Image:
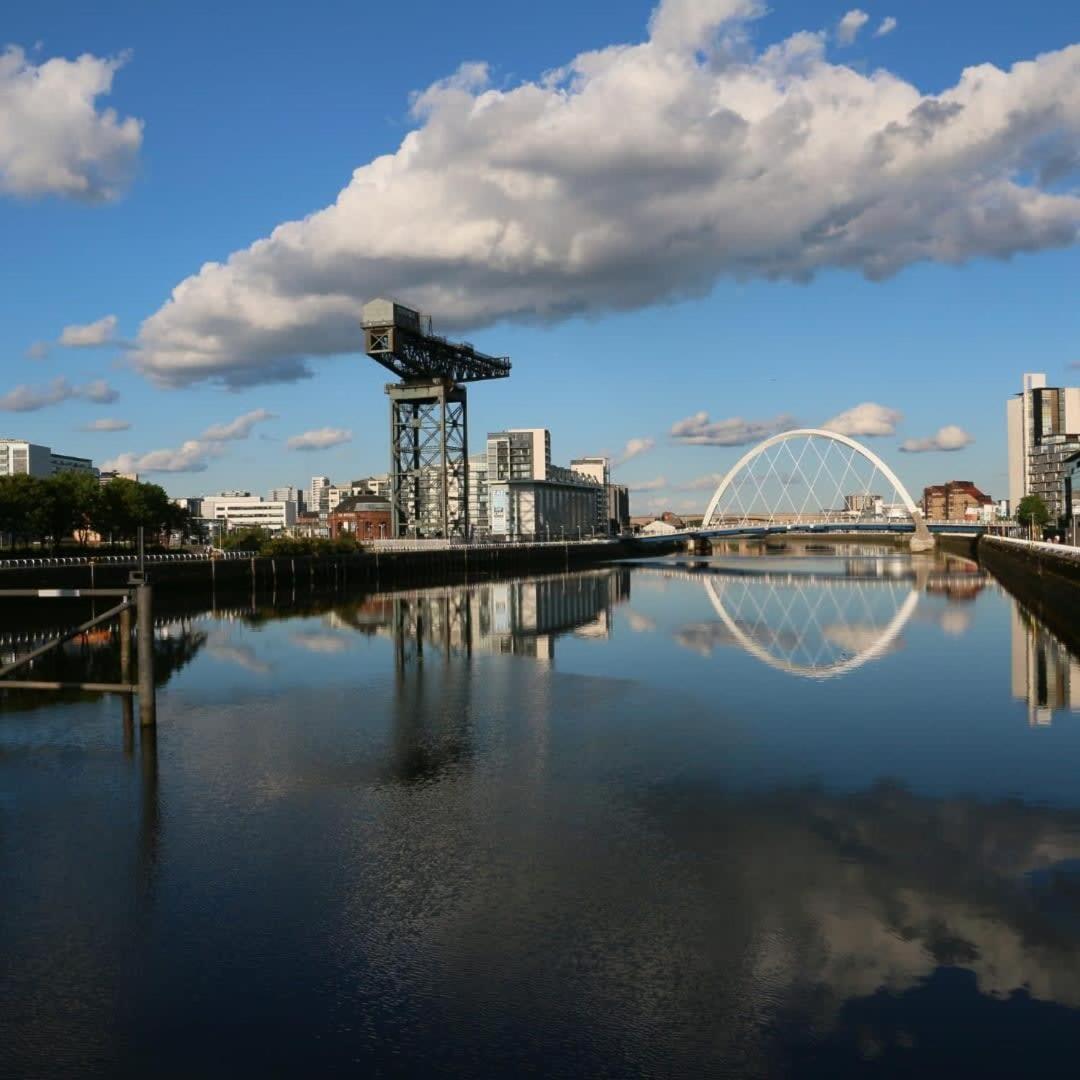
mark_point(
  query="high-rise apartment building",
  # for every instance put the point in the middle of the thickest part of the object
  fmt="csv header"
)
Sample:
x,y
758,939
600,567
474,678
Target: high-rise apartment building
x,y
1044,429
318,500
528,498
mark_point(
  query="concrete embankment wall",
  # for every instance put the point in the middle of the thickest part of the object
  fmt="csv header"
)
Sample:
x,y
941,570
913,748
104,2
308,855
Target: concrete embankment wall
x,y
1044,577
367,568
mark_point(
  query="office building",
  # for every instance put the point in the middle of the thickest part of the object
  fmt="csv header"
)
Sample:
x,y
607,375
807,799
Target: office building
x,y
529,498
372,485
1044,430
21,458
479,520
957,500
110,476
288,494
241,509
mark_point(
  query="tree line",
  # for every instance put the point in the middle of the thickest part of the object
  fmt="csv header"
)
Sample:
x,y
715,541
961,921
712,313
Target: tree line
x,y
55,509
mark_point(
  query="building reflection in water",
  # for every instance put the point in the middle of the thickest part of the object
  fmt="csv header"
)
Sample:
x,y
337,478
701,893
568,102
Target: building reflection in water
x,y
1045,674
519,617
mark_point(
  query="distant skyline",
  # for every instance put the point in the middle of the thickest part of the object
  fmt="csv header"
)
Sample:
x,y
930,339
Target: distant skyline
x,y
690,224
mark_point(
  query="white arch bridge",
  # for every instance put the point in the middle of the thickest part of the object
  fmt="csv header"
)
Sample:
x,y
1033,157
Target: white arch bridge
x,y
810,479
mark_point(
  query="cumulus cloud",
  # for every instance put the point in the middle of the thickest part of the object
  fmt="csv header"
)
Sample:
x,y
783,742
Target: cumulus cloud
x,y
54,139
949,437
38,350
194,455
638,174
107,425
888,25
240,428
848,28
708,482
320,439
635,448
869,418
699,430
89,335
26,398
656,484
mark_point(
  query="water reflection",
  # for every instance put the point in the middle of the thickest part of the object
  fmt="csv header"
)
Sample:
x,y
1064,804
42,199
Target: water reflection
x,y
390,835
828,621
1045,674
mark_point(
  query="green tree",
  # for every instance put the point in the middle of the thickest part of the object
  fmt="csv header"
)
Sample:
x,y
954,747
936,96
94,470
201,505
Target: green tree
x,y
21,517
1031,512
67,504
248,539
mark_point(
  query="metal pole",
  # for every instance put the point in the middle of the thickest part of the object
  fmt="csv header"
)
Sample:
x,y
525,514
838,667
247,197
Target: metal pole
x,y
145,634
125,645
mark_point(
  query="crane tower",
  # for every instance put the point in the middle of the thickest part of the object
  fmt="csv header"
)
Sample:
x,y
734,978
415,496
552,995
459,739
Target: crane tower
x,y
429,445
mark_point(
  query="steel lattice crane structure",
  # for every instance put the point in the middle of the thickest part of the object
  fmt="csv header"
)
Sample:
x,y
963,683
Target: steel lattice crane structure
x,y
429,444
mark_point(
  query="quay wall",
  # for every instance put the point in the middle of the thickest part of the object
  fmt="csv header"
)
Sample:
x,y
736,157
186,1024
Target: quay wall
x,y
1045,578
365,568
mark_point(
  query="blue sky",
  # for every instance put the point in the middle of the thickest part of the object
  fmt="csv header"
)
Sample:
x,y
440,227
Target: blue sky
x,y
248,123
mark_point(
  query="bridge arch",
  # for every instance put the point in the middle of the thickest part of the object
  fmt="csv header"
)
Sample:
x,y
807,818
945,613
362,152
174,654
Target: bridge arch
x,y
810,435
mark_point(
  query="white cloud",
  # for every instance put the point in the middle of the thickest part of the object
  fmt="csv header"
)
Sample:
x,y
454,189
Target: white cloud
x,y
888,25
635,448
53,138
699,430
89,335
949,437
240,428
107,425
848,28
195,454
320,439
656,484
192,456
26,398
708,482
869,418
640,174
38,350
98,391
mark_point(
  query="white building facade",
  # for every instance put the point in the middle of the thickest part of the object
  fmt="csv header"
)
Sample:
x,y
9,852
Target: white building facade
x,y
241,509
1044,430
18,457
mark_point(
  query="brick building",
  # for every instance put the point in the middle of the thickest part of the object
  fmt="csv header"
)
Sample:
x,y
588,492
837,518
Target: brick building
x,y
951,501
363,517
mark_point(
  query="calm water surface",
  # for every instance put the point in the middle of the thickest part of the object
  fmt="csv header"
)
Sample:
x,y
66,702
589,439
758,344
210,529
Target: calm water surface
x,y
762,815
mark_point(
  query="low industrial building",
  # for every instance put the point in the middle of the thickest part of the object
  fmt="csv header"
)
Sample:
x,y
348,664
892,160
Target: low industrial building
x,y
363,517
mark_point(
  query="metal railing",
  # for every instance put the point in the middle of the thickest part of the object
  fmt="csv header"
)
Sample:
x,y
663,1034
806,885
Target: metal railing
x,y
24,562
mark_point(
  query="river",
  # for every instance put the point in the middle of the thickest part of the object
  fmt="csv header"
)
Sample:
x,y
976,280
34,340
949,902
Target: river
x,y
810,813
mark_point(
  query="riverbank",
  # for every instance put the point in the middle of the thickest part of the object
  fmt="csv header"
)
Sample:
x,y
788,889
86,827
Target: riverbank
x,y
194,582
1045,578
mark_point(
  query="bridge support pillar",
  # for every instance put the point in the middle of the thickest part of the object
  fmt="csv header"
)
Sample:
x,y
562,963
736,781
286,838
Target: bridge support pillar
x,y
921,540
698,545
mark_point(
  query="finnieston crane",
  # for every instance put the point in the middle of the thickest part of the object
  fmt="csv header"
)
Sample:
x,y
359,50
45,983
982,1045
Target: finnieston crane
x,y
429,445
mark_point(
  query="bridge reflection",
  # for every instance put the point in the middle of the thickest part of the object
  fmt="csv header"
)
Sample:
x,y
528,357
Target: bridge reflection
x,y
819,623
